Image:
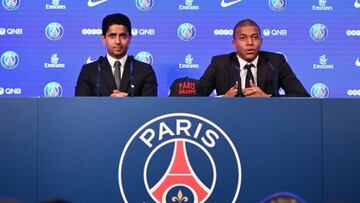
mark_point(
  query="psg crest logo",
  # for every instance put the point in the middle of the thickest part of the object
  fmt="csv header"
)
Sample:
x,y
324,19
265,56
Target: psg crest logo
x,y
179,157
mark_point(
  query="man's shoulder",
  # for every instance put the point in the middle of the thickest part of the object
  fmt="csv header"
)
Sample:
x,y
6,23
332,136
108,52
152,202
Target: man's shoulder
x,y
90,65
140,64
271,55
224,57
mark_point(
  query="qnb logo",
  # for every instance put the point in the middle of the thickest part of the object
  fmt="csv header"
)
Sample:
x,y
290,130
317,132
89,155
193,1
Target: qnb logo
x,y
142,31
10,91
9,60
223,32
54,31
278,5
11,31
189,63
353,92
11,5
319,90
53,89
145,57
323,63
353,33
180,158
88,31
322,6
186,32
55,5
318,32
274,32
144,5
54,62
188,6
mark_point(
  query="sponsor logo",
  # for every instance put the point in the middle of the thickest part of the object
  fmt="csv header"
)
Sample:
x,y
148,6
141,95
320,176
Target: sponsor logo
x,y
274,32
179,158
322,6
323,63
55,5
11,5
142,31
54,62
145,57
144,5
11,31
89,31
89,60
223,32
357,4
188,6
354,92
189,63
353,33
283,197
53,89
92,3
9,60
54,31
230,3
357,62
278,5
10,91
186,32
319,90
318,32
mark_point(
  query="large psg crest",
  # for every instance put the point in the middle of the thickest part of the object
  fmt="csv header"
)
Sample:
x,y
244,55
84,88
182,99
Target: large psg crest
x,y
179,157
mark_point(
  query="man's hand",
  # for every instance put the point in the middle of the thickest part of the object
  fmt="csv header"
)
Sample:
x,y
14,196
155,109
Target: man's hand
x,y
232,91
117,93
254,91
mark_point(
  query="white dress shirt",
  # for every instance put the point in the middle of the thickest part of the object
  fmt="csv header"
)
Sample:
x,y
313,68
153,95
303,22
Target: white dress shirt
x,y
112,62
243,70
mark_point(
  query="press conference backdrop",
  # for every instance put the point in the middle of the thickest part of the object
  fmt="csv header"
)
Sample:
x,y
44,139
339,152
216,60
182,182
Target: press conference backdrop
x,y
45,43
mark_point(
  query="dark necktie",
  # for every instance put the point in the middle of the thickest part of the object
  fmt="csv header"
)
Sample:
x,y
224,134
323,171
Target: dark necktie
x,y
117,74
249,75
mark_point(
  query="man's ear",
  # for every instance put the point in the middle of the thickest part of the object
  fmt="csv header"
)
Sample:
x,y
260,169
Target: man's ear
x,y
103,39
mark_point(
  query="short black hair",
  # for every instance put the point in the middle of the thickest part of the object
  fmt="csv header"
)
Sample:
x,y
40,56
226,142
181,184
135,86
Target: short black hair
x,y
245,22
115,19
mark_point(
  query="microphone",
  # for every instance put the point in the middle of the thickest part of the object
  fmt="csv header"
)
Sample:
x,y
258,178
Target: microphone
x,y
238,82
275,79
132,82
101,58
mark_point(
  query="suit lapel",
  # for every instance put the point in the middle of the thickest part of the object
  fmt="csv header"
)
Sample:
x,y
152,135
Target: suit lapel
x,y
108,75
262,71
234,70
125,77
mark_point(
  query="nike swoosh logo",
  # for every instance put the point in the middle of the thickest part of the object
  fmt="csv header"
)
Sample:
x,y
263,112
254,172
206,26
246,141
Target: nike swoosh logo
x,y
357,63
357,4
227,4
91,3
89,60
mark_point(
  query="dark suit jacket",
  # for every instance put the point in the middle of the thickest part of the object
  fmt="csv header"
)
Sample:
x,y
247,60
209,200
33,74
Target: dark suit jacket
x,y
144,79
273,72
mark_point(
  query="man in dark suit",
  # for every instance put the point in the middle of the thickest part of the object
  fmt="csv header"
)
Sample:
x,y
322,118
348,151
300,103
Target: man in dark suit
x,y
117,74
250,72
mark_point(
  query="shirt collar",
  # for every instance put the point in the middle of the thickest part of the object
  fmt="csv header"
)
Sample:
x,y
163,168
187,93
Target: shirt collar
x,y
112,60
242,62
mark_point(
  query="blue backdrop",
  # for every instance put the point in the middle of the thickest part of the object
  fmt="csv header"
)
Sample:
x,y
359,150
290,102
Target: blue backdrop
x,y
45,43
